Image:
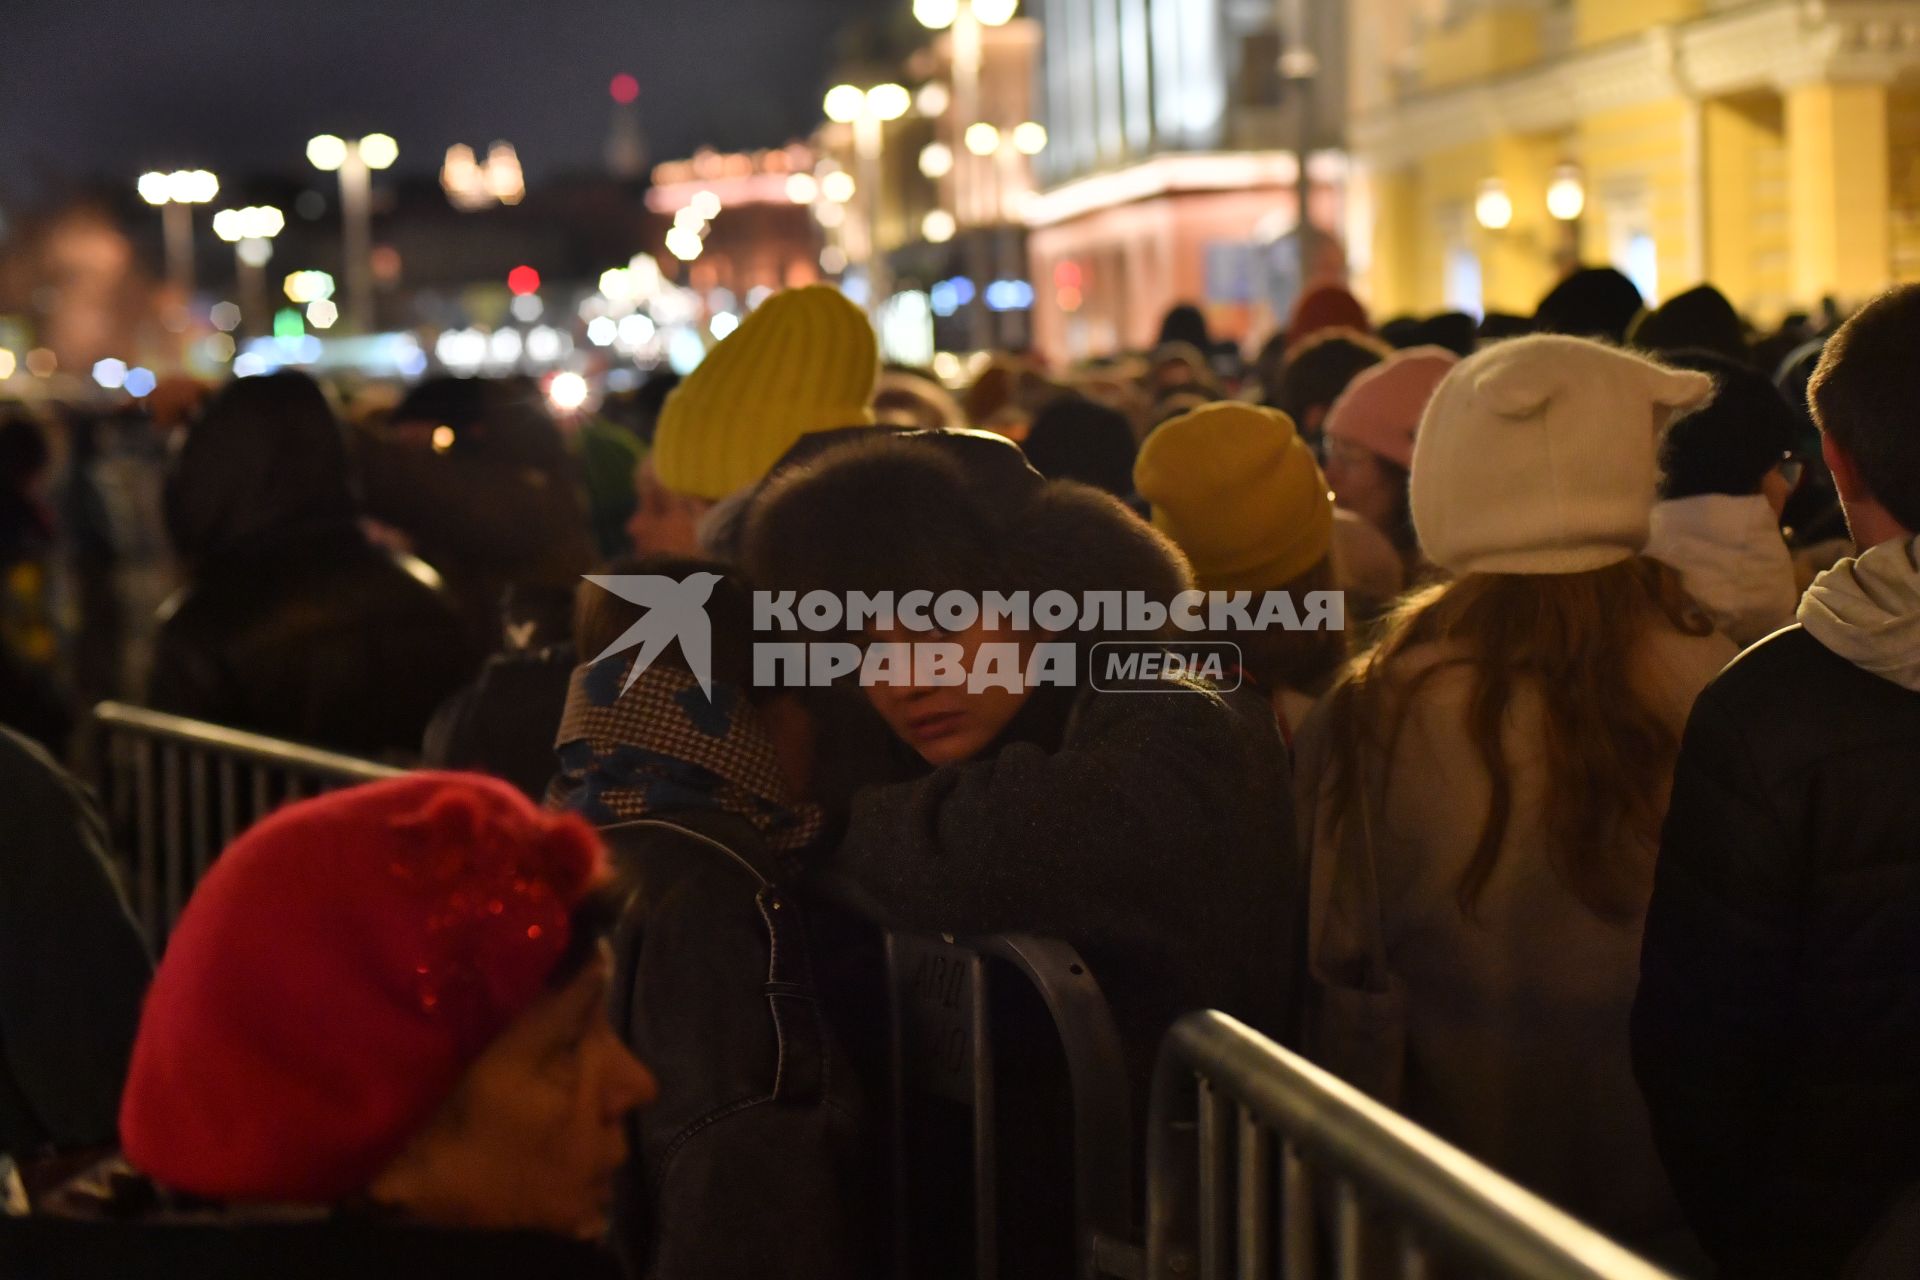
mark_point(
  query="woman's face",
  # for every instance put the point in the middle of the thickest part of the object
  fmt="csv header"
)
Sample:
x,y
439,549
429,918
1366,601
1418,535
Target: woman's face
x,y
947,724
535,1132
663,522
1361,484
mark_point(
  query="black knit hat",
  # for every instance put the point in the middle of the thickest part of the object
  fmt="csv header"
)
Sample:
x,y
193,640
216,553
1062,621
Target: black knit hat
x,y
1729,444
1075,438
1701,319
1594,302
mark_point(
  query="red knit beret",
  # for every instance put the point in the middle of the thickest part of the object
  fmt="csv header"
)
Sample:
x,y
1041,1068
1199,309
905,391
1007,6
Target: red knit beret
x,y
334,975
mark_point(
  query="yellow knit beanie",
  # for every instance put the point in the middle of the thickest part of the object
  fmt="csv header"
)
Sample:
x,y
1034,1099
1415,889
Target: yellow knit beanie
x,y
804,361
1240,492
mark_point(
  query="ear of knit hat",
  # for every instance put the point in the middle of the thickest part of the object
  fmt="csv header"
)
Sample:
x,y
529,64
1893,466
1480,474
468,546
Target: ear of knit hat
x,y
1236,488
1538,456
805,360
1380,410
334,975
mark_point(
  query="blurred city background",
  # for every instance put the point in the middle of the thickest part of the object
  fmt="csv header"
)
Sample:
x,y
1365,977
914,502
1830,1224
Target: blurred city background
x,y
587,191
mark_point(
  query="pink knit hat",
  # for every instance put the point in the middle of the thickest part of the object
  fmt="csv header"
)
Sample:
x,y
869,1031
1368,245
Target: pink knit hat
x,y
1380,411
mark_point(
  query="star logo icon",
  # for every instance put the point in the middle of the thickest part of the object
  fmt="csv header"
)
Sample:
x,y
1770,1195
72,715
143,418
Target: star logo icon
x,y
676,610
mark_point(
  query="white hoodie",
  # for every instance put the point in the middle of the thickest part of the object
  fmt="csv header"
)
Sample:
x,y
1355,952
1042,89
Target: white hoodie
x,y
1731,558
1867,610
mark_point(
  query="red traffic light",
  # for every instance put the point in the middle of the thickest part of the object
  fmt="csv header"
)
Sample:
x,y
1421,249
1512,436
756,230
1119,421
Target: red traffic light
x,y
523,280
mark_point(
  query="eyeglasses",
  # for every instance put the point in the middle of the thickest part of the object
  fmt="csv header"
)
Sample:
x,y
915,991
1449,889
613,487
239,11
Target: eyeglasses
x,y
1791,469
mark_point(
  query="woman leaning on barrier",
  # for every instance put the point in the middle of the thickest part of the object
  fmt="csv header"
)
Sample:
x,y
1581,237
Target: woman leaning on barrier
x,y
1482,793
1148,827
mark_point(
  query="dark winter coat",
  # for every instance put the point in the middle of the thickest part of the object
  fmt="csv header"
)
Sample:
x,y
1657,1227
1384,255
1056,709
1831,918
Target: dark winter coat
x,y
292,623
72,964
1777,1029
504,722
1152,831
316,636
753,1163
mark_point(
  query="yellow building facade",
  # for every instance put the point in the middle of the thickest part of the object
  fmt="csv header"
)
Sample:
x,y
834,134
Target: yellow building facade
x,y
1771,147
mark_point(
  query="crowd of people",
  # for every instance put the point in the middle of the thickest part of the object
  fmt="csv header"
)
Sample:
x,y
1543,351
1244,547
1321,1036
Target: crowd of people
x,y
1583,837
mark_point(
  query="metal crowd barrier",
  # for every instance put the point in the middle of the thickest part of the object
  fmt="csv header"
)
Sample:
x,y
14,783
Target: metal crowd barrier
x,y
177,791
1263,1165
943,1018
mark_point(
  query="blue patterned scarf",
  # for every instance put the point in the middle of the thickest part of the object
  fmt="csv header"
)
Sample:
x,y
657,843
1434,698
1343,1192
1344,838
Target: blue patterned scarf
x,y
662,746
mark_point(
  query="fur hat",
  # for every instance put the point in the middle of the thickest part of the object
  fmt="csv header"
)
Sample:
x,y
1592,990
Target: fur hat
x,y
1537,456
912,513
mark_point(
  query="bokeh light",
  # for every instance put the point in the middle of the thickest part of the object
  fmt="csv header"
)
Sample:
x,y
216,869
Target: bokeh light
x,y
889,101
379,150
568,391
838,187
936,15
1030,138
803,188
326,152
936,160
844,103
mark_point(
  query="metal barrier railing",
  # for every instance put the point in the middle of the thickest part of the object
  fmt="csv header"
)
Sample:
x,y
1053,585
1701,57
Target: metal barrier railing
x,y
178,790
943,1015
1262,1164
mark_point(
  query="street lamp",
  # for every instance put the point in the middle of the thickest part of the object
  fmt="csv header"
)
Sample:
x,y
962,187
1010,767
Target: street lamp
x,y
968,21
869,111
251,231
355,162
1567,194
175,194
1493,207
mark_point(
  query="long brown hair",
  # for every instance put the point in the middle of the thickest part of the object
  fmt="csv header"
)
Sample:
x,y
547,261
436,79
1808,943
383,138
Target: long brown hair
x,y
1572,637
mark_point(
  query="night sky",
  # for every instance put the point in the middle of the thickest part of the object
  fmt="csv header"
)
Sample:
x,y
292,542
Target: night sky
x,y
103,88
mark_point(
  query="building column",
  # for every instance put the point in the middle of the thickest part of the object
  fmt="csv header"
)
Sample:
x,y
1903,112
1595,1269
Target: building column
x,y
1392,282
1839,191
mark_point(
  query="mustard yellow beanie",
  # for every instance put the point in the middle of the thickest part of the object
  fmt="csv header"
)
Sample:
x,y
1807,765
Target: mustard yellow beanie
x,y
805,360
1240,492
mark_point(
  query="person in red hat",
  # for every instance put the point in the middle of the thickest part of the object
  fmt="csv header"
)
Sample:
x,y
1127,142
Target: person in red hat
x,y
377,1044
